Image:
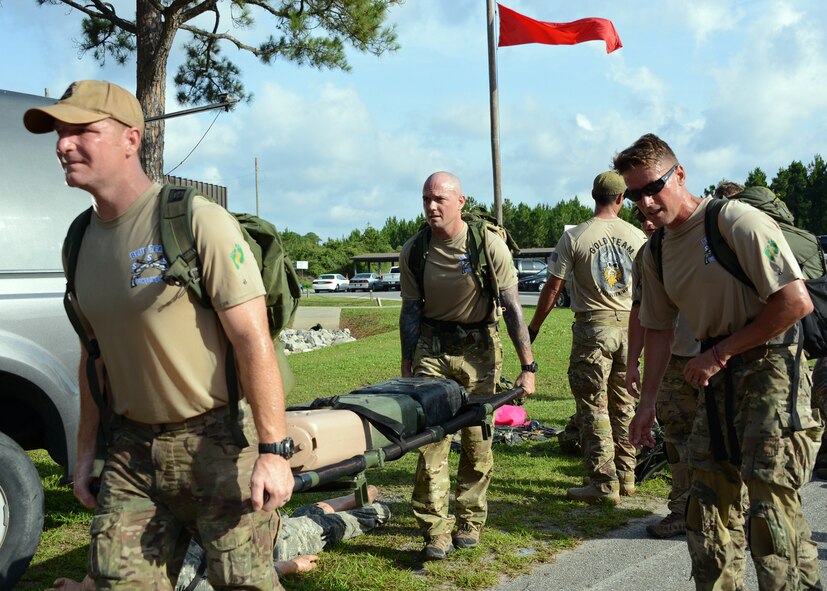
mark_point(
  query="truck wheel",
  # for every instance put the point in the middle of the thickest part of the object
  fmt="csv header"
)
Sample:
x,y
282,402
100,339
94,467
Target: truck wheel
x,y
21,511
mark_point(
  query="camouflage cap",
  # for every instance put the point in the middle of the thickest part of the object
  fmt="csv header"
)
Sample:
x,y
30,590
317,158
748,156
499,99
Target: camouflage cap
x,y
87,101
607,184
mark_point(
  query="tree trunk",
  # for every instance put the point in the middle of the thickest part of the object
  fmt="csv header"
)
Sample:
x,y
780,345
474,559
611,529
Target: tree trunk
x,y
154,41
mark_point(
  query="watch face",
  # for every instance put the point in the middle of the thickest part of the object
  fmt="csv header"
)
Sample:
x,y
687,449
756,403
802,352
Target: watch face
x,y
283,448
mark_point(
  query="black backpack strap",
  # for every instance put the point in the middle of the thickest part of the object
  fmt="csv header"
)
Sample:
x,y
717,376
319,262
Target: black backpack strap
x,y
727,258
233,397
417,257
656,247
70,253
719,247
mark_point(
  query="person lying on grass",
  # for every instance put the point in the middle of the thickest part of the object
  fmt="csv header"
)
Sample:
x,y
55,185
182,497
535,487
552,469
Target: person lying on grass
x,y
301,536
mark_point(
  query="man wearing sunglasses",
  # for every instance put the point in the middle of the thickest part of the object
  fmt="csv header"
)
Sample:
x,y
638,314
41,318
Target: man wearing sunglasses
x,y
597,255
744,432
676,403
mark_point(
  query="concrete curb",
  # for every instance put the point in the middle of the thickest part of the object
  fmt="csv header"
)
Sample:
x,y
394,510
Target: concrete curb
x,y
309,316
627,558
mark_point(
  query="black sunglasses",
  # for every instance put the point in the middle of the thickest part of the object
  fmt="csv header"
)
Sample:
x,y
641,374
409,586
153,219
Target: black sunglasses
x,y
652,188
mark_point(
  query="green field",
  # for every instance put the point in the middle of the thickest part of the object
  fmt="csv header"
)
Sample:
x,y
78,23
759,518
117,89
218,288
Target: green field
x,y
530,518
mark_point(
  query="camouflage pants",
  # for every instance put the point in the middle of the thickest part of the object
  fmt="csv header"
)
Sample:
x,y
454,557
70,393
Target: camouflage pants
x,y
776,462
158,489
476,367
597,377
307,531
676,405
819,398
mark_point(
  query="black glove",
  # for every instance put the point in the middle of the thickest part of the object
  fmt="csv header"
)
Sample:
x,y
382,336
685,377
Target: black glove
x,y
532,333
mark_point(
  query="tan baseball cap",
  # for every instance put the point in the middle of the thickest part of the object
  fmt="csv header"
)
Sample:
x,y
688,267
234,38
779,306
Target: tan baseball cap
x,y
607,184
87,101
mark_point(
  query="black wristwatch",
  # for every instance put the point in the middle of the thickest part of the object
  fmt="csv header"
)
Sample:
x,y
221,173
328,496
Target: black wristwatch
x,y
532,367
283,448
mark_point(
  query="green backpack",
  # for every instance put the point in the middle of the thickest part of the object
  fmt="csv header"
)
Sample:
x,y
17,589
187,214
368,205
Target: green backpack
x,y
479,225
281,285
804,245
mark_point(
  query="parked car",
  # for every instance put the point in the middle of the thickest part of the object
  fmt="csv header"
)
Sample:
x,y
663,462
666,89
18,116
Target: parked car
x,y
391,278
330,282
366,282
538,281
534,282
528,267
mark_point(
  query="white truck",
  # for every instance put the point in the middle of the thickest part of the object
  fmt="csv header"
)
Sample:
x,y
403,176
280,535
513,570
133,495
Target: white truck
x,y
391,279
39,351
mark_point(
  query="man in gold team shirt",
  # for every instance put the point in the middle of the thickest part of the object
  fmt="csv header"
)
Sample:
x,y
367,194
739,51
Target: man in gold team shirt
x,y
598,256
172,467
448,328
754,425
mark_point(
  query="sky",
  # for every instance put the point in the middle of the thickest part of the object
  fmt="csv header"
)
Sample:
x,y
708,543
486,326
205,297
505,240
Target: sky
x,y
731,85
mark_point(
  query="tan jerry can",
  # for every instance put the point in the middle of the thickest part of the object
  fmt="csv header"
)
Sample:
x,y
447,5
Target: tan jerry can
x,y
324,436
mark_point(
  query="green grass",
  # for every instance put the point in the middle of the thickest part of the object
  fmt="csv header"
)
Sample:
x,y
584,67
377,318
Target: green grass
x,y
529,521
361,300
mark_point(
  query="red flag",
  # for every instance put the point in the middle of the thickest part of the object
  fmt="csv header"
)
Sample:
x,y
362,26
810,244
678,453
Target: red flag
x,y
516,29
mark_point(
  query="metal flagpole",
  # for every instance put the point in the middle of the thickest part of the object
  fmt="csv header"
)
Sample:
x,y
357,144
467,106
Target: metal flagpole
x,y
495,123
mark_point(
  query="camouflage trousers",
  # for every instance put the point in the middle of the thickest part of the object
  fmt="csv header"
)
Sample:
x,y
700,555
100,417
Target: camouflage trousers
x,y
775,462
160,487
676,406
476,366
307,531
819,397
597,378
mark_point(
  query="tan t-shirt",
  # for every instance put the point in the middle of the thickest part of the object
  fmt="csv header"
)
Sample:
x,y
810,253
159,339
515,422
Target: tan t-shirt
x,y
684,344
714,302
451,289
164,353
596,258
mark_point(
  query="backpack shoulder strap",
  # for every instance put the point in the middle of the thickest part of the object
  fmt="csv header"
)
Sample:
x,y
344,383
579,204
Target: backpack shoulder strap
x,y
70,254
177,240
656,247
478,248
417,257
718,246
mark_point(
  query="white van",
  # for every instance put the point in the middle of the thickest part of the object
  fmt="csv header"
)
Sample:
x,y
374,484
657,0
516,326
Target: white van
x,y
39,351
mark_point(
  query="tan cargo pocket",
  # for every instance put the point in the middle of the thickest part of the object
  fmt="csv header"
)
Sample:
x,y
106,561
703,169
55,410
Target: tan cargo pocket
x,y
230,552
106,548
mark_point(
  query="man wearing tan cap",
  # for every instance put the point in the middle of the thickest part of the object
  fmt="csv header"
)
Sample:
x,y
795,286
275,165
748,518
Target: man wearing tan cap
x,y
597,255
172,467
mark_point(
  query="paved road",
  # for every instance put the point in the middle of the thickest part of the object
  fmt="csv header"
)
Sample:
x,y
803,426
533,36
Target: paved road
x,y
628,559
527,298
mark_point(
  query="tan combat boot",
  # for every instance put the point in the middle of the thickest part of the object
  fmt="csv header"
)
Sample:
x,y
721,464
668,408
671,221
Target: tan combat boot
x,y
438,547
605,492
467,536
627,483
671,525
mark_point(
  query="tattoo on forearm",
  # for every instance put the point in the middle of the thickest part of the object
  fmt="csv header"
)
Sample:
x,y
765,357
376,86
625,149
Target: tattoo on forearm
x,y
410,319
514,321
